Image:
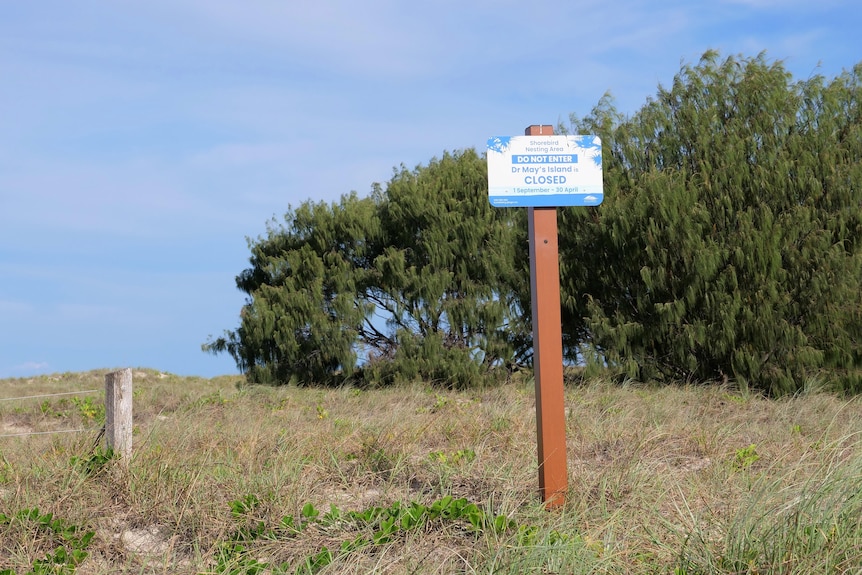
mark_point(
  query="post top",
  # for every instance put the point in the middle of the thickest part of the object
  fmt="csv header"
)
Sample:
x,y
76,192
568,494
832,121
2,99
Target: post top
x,y
539,130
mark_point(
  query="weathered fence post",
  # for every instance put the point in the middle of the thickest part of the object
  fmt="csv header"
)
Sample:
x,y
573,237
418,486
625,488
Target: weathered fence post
x,y
118,412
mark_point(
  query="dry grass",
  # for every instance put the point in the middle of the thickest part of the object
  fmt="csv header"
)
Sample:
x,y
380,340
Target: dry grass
x,y
660,478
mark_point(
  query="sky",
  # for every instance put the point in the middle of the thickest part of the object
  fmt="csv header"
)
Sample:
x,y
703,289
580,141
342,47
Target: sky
x,y
143,143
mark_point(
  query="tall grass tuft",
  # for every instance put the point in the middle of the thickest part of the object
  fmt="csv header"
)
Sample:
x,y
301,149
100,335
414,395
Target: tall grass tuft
x,y
802,520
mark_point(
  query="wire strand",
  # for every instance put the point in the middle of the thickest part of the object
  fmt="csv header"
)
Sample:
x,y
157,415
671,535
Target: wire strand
x,y
50,394
47,432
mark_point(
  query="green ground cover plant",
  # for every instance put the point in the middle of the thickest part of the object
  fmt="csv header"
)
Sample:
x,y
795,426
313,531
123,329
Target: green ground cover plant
x,y
70,543
231,478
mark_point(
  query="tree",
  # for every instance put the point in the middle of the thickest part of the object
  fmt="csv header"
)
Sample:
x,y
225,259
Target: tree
x,y
302,317
728,243
409,282
444,273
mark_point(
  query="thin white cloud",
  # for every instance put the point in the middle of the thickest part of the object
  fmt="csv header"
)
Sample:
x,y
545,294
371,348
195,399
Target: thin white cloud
x,y
31,367
10,309
326,36
385,39
247,154
125,199
789,47
95,313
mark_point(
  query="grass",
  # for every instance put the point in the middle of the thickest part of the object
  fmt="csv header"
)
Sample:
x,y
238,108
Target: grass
x,y
680,480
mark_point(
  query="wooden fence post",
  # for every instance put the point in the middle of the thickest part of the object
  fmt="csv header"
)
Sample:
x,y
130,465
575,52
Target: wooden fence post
x,y
118,412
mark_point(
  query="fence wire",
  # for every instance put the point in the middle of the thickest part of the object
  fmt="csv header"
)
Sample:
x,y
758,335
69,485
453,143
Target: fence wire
x,y
48,432
50,394
26,433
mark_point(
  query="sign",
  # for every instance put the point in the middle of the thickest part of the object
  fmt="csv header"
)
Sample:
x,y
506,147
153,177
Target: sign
x,y
544,171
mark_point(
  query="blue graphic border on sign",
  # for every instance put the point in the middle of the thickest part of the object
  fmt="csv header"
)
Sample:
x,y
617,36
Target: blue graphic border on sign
x,y
546,201
545,171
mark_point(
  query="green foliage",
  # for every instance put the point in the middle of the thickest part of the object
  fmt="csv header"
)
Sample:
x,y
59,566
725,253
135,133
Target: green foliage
x,y
375,526
7,473
302,318
71,547
94,462
745,457
728,243
727,248
412,281
454,458
241,507
90,410
47,409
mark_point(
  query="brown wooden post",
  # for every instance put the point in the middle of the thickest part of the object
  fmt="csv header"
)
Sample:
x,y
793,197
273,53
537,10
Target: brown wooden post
x,y
118,412
547,347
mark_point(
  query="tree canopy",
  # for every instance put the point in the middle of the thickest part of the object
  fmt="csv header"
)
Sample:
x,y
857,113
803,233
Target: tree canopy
x,y
727,248
728,244
409,282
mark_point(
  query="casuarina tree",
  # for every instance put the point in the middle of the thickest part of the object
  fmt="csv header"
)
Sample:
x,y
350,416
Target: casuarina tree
x,y
728,243
410,282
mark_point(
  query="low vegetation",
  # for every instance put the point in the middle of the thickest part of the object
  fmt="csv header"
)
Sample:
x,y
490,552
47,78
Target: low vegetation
x,y
231,478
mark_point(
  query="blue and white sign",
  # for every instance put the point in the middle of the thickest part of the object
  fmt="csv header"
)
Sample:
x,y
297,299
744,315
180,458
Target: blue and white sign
x,y
545,171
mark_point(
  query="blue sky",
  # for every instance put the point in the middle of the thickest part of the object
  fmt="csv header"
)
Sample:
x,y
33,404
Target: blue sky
x,y
142,142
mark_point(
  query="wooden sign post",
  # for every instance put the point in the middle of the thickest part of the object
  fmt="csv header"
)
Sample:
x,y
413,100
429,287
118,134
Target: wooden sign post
x,y
541,171
547,348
